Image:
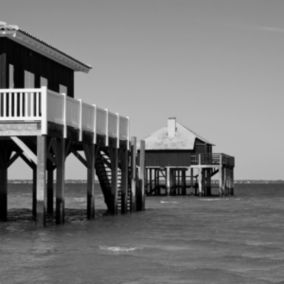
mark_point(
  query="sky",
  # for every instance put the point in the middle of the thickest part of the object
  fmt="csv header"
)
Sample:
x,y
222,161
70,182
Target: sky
x,y
216,65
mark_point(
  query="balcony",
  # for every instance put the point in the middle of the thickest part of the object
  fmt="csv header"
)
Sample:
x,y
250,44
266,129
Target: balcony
x,y
218,159
43,108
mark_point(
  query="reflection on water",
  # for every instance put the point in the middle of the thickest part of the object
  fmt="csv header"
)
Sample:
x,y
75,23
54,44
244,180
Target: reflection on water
x,y
177,240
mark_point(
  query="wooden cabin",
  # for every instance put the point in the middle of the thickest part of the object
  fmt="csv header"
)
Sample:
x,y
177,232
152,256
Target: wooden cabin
x,y
42,122
181,162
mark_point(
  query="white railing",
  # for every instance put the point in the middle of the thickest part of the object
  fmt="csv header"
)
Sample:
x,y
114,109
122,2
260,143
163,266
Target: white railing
x,y
73,112
112,124
42,105
123,128
55,107
20,104
101,121
212,159
88,115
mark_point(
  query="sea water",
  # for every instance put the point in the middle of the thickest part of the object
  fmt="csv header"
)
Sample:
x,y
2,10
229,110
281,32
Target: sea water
x,y
176,240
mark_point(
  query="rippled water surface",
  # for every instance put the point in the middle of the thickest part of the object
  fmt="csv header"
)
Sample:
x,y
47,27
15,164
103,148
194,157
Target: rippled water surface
x,y
176,240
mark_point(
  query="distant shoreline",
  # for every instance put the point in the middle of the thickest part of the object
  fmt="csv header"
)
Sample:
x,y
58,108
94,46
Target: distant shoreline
x,y
83,181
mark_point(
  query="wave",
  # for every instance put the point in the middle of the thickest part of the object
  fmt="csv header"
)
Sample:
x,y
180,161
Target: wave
x,y
117,249
168,202
214,199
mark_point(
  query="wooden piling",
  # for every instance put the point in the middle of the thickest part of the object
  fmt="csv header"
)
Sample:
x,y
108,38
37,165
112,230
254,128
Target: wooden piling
x,y
124,178
90,159
60,180
226,181
41,180
151,181
184,182
34,191
168,170
141,199
4,158
50,191
133,171
200,181
191,178
232,181
114,175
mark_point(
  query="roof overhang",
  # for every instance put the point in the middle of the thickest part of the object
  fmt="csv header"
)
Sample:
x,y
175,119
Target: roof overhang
x,y
16,34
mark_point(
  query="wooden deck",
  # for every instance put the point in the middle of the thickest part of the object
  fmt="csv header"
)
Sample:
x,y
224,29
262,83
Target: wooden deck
x,y
212,160
174,180
38,111
43,127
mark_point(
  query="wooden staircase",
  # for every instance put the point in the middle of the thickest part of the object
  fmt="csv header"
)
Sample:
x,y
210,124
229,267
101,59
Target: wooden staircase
x,y
103,171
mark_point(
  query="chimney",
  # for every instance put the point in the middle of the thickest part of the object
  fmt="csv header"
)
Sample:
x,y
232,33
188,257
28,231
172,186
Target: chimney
x,y
171,127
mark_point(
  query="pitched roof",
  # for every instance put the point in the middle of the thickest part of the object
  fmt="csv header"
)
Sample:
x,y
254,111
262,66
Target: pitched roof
x,y
184,139
22,37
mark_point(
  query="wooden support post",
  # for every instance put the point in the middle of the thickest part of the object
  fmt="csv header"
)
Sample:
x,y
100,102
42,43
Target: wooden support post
x,y
147,181
200,182
232,177
154,181
90,157
41,188
5,153
205,181
191,178
158,181
34,193
184,182
177,182
177,172
229,181
114,175
60,180
150,180
209,191
141,203
225,181
221,182
172,182
133,172
168,181
124,179
3,188
50,191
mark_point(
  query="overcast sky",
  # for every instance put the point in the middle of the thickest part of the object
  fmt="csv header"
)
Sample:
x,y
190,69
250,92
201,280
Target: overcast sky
x,y
217,65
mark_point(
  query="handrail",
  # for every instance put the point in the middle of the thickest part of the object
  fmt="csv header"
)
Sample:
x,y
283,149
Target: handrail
x,y
42,105
20,104
212,159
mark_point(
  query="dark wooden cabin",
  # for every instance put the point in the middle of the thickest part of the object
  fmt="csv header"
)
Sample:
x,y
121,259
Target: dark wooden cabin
x,y
42,122
27,62
175,158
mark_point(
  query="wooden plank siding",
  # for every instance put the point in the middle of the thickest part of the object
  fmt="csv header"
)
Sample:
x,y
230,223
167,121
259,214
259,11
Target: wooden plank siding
x,y
202,148
178,158
3,66
23,59
163,158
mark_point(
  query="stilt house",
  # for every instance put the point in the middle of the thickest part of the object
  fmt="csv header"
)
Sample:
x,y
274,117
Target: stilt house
x,y
42,122
181,162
